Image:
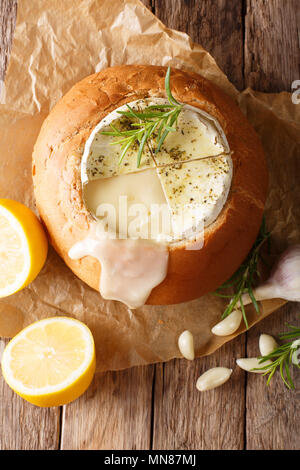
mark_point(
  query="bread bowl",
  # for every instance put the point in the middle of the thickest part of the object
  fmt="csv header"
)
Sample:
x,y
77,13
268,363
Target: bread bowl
x,y
58,176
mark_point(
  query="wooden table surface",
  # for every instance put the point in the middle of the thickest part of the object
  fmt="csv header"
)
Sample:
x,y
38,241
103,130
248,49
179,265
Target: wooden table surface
x,y
255,42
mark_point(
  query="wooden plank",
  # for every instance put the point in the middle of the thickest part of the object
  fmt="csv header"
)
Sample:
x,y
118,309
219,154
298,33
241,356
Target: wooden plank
x,y
272,60
272,54
117,406
149,4
8,13
186,419
114,413
215,24
24,426
183,417
273,416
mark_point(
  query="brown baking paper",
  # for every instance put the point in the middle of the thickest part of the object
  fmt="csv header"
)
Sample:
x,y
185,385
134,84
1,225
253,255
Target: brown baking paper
x,y
58,43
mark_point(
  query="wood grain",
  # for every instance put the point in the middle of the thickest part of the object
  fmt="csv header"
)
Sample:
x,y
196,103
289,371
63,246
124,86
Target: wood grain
x,y
272,60
215,24
158,406
24,426
8,13
186,419
183,417
272,420
115,412
272,53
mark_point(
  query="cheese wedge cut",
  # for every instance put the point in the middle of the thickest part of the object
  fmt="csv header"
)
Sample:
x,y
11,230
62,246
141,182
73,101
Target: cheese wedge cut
x,y
189,196
196,192
190,175
119,200
101,155
71,153
198,135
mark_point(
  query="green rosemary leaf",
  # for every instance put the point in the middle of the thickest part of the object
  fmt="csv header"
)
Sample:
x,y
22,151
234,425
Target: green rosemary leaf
x,y
109,133
165,133
115,131
244,278
141,147
294,334
125,137
124,151
162,118
288,375
281,369
161,106
141,115
144,139
264,367
131,113
250,292
244,313
281,359
168,90
160,129
270,375
292,327
170,129
222,295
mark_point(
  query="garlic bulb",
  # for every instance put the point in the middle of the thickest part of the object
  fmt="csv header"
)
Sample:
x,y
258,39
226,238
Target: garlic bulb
x,y
229,325
284,281
186,345
267,344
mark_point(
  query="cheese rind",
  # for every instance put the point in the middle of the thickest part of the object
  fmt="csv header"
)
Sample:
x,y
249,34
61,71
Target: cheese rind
x,y
193,170
197,136
101,155
119,201
196,191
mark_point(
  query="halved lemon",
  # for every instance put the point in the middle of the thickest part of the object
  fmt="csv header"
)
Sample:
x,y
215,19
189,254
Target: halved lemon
x,y
51,362
23,246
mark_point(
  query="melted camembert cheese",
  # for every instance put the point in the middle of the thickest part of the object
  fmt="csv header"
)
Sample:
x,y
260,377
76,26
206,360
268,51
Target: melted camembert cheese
x,y
190,176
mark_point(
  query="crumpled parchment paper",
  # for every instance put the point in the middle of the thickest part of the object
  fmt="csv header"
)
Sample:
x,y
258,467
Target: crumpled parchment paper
x,y
58,43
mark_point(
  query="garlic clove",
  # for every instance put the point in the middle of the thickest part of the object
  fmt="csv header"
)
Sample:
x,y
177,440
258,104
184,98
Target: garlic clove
x,y
229,325
249,363
186,345
295,346
213,378
267,344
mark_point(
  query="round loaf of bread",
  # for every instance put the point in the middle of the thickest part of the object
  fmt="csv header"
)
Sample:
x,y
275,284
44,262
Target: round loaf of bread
x,y
58,189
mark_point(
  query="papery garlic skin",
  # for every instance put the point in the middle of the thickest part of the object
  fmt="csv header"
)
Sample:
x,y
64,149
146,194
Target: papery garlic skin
x,y
267,344
284,281
229,325
249,363
286,275
213,378
296,354
186,345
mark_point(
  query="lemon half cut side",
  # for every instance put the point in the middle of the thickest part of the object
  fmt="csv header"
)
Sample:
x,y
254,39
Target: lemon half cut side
x,y
50,362
23,246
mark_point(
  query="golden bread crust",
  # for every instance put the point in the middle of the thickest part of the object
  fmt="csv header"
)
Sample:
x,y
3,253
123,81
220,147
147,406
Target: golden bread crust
x,y
56,176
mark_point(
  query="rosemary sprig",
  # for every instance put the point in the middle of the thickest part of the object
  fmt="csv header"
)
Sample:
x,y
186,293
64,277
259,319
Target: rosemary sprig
x,y
154,122
244,278
283,357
